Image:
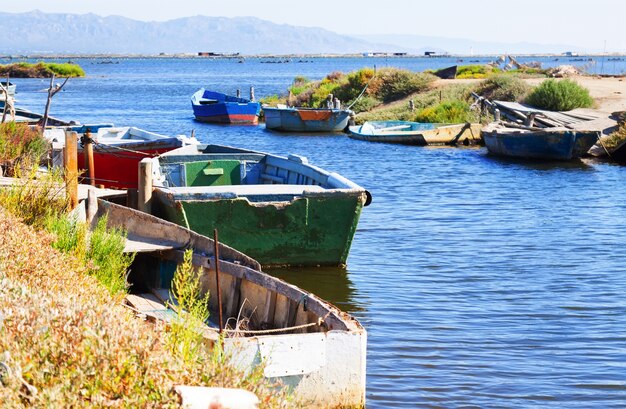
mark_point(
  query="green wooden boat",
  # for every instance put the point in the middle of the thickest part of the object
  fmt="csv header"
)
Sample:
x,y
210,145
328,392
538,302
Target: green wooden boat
x,y
280,211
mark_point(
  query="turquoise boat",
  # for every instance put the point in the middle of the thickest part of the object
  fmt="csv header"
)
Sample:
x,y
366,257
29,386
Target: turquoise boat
x,y
416,133
557,143
290,119
280,211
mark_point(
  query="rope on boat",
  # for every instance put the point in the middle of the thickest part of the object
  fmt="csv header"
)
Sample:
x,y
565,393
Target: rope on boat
x,y
364,88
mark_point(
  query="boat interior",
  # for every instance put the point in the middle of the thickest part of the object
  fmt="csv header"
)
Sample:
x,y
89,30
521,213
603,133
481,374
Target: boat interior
x,y
253,303
214,170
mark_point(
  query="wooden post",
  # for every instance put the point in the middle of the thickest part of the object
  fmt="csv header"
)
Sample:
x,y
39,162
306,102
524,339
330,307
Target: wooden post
x,y
144,200
217,278
251,93
238,93
71,168
411,105
92,205
6,99
496,115
88,152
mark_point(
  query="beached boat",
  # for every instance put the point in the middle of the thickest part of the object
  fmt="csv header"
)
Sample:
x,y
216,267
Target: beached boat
x,y
211,106
118,150
416,133
558,143
291,119
301,340
281,211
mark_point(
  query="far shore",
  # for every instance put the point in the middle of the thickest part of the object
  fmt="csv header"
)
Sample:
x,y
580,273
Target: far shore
x,y
381,55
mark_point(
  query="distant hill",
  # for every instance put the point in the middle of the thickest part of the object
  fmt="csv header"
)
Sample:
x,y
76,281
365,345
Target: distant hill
x,y
88,33
465,46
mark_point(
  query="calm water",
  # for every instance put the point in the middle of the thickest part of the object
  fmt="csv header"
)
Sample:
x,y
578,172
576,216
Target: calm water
x,y
481,282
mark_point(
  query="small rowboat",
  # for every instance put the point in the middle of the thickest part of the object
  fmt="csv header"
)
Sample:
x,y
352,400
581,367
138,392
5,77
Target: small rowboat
x,y
416,133
290,119
211,106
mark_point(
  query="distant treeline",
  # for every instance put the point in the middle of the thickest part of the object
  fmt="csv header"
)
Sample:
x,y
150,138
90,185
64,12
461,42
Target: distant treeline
x,y
41,70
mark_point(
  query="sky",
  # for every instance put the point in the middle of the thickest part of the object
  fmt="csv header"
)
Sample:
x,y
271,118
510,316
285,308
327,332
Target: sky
x,y
595,25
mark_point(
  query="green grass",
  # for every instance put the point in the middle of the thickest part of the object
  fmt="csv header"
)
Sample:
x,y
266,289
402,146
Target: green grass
x,y
475,71
445,112
559,95
503,87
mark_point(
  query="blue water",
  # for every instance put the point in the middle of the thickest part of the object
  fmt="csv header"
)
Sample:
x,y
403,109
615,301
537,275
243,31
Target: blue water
x,y
482,282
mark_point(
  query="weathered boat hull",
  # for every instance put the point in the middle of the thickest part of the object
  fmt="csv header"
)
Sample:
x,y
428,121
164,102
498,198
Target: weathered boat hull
x,y
302,341
210,106
415,133
281,211
306,120
550,143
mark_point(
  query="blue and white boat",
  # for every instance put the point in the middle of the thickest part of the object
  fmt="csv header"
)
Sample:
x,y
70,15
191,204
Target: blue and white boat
x,y
211,106
290,119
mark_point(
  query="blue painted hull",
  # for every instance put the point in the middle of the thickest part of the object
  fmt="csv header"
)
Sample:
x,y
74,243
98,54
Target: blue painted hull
x,y
548,144
210,106
306,120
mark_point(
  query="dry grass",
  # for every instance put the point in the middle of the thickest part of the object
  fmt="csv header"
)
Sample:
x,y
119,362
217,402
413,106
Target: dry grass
x,y
65,341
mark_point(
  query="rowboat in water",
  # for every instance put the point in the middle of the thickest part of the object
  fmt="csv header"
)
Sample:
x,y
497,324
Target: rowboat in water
x,y
117,150
416,133
291,119
212,106
557,143
302,341
279,210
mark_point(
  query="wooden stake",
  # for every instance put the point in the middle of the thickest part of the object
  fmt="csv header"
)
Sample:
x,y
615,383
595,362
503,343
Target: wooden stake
x,y
144,199
217,279
71,167
88,152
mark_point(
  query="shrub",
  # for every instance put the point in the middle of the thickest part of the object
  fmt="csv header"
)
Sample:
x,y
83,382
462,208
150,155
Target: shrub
x,y
562,95
19,142
392,84
102,251
36,197
475,71
503,87
445,112
365,103
185,336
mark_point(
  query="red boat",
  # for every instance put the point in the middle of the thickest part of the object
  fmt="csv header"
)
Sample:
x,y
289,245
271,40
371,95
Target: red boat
x,y
117,152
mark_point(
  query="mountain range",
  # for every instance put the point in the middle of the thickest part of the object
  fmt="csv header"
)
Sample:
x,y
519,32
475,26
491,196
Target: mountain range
x,y
38,32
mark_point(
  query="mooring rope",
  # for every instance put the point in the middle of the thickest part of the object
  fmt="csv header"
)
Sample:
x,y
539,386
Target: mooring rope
x,y
363,91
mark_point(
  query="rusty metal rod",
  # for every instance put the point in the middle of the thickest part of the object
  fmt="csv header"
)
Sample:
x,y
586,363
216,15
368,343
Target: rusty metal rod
x,y
217,279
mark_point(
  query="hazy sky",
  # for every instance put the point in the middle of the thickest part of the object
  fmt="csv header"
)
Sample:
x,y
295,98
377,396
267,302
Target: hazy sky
x,y
587,24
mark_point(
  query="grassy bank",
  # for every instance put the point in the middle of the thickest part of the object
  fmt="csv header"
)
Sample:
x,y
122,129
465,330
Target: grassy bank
x,y
396,94
41,70
66,340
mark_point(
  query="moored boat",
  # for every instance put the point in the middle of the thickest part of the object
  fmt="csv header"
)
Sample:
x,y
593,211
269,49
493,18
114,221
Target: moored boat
x,y
7,86
302,341
211,106
416,133
557,143
281,211
291,119
118,150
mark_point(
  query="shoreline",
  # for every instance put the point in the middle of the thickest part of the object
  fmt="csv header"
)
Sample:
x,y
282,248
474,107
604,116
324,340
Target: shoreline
x,y
243,56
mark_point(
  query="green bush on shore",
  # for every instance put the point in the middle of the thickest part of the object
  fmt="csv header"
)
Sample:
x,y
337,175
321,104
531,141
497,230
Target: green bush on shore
x,y
20,143
446,112
503,87
41,70
559,95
